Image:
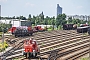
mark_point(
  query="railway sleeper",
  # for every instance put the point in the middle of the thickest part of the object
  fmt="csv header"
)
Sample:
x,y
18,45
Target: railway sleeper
x,y
60,44
69,50
67,46
73,53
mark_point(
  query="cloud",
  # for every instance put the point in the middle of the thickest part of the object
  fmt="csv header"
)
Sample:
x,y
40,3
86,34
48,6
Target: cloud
x,y
3,0
79,7
29,5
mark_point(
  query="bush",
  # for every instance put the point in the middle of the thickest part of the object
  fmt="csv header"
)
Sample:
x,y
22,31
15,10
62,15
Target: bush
x,y
5,27
5,46
84,58
59,27
50,28
78,24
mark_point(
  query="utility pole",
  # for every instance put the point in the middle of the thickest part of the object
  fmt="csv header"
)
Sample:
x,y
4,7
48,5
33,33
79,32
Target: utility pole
x,y
89,49
3,38
3,57
0,12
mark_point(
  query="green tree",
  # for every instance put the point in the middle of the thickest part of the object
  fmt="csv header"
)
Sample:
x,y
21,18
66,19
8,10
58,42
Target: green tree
x,y
4,27
77,21
0,17
63,16
41,18
53,21
37,21
60,20
13,17
46,20
70,20
33,19
17,17
74,21
84,22
22,17
64,22
29,17
89,22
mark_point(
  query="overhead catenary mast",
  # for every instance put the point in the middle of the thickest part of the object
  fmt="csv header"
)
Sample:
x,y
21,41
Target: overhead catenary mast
x,y
0,12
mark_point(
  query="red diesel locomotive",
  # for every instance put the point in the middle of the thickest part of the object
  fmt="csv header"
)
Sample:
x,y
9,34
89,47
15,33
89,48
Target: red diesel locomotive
x,y
31,48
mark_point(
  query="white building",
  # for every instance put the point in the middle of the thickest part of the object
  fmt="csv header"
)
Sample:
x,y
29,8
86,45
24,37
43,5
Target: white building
x,y
14,22
81,17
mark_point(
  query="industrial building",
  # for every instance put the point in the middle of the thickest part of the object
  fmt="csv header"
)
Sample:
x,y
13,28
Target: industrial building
x,y
16,22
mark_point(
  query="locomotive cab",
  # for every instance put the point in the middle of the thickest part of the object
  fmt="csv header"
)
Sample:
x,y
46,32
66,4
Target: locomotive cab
x,y
31,48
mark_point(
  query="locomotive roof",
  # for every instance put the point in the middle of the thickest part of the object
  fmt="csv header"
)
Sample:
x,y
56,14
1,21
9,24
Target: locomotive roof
x,y
22,27
68,24
83,27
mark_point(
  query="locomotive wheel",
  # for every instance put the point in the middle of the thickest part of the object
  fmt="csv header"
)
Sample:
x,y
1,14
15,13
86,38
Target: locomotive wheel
x,y
16,36
31,34
34,54
38,52
27,55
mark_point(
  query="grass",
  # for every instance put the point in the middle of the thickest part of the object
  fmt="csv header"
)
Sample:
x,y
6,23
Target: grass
x,y
16,59
42,43
49,29
87,58
85,34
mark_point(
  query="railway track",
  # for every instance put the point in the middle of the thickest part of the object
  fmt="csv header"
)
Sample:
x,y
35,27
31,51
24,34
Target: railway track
x,y
68,52
57,40
70,46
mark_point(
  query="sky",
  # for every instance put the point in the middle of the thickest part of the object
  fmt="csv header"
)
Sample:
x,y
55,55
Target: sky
x,y
35,7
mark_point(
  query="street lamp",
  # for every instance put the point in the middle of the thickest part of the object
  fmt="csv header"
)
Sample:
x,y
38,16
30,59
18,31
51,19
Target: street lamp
x,y
2,36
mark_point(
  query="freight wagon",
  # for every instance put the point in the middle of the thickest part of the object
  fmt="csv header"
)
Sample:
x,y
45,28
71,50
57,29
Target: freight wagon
x,y
69,26
23,31
83,29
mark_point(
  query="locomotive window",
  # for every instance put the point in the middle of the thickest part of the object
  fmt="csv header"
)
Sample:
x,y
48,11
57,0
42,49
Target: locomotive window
x,y
33,42
27,42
